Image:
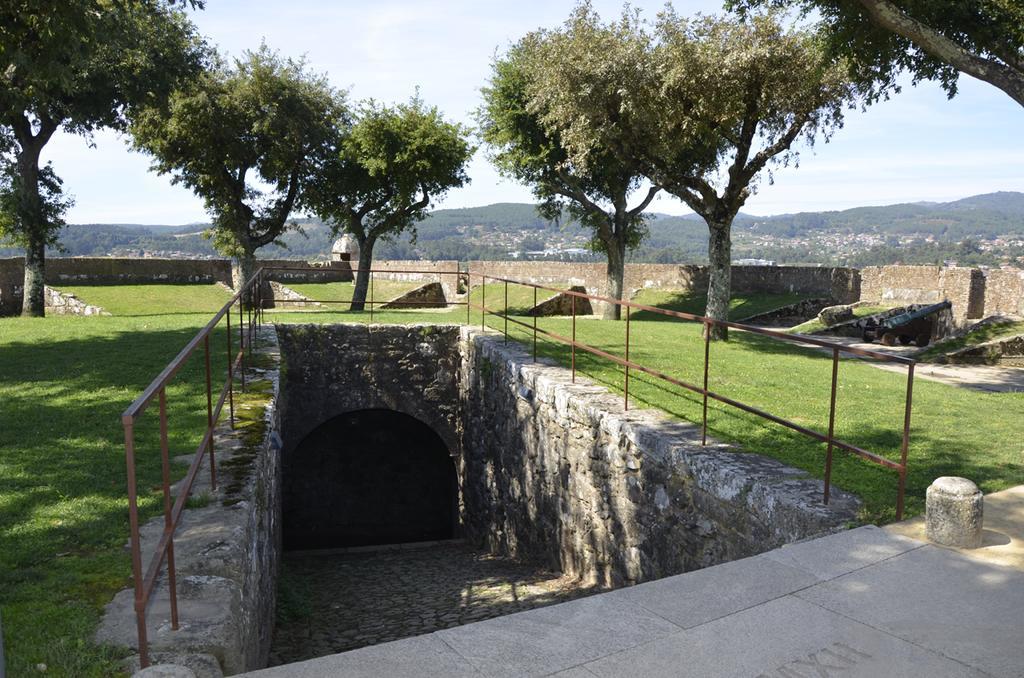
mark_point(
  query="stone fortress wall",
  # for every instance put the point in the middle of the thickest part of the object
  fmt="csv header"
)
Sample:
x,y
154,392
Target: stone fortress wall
x,y
975,293
838,283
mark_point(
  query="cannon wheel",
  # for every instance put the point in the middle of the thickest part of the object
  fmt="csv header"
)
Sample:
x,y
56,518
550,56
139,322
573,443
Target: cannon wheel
x,y
888,339
923,339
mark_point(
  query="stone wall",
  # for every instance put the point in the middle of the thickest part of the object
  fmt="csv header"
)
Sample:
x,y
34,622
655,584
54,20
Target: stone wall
x,y
550,470
442,271
903,285
840,284
128,271
290,270
1004,292
560,472
331,370
62,303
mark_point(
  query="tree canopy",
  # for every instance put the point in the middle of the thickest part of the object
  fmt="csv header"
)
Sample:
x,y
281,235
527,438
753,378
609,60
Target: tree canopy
x,y
387,169
931,39
76,66
532,142
246,138
700,107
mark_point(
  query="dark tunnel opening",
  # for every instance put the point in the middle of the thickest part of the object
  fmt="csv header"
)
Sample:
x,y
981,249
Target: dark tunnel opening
x,y
365,478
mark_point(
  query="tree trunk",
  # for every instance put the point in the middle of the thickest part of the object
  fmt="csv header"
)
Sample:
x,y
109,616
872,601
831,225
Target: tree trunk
x,y
243,270
615,275
720,276
363,275
34,299
34,230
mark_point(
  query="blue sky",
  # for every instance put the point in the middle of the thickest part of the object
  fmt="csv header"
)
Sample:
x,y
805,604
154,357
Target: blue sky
x,y
917,146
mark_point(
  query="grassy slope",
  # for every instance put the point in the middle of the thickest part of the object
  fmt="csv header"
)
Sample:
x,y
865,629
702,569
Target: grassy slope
x,y
990,332
64,382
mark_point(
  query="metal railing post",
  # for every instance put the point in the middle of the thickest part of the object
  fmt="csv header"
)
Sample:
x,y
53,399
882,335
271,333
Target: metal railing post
x,y
573,339
231,375
136,547
371,296
905,446
831,424
534,323
707,355
626,390
506,312
209,412
165,464
483,301
241,339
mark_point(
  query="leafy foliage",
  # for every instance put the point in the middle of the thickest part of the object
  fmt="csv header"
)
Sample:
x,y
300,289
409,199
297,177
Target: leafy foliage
x,y
931,39
76,66
245,138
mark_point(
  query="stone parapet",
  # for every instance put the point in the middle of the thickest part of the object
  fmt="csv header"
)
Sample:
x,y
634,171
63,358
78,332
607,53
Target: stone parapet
x,y
559,471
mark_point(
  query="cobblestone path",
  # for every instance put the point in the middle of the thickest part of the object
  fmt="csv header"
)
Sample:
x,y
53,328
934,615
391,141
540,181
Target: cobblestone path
x,y
330,603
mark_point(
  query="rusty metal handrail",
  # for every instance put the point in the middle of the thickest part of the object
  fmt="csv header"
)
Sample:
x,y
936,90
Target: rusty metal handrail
x,y
836,349
250,318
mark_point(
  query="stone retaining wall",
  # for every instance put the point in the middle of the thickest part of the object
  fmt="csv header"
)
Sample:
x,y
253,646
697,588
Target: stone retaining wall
x,y
62,303
560,472
549,470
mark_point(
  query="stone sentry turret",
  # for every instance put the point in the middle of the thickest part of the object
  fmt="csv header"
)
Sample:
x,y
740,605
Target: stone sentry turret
x,y
345,248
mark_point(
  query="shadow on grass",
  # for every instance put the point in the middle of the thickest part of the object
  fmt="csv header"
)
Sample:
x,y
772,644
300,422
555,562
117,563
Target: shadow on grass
x,y
62,486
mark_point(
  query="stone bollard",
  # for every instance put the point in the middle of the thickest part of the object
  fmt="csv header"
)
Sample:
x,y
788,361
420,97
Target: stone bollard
x,y
953,512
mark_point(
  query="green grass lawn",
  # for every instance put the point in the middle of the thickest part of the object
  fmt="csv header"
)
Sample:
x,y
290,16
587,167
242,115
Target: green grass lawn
x,y
520,297
383,290
65,380
153,300
740,306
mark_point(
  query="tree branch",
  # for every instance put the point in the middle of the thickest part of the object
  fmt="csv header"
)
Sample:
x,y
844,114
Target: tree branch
x,y
889,16
653,191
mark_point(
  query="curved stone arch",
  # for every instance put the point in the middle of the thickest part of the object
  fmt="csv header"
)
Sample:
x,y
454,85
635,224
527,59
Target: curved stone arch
x,y
369,476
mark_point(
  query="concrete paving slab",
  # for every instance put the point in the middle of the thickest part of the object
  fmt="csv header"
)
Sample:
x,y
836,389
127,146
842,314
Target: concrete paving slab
x,y
412,657
1003,536
684,600
555,638
784,638
940,600
838,554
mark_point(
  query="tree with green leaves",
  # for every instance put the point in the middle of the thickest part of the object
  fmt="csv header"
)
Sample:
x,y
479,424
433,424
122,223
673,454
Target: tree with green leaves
x,y
530,142
739,93
383,174
245,138
931,39
76,67
702,108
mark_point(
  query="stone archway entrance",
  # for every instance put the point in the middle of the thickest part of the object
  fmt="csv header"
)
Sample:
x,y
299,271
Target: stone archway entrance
x,y
368,477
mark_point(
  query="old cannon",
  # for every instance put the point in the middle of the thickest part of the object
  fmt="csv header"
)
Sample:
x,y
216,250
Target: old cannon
x,y
915,325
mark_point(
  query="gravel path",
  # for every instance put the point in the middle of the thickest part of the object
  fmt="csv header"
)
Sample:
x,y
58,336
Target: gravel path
x,y
334,602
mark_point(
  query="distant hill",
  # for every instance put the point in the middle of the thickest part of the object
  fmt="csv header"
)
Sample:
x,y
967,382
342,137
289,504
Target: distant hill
x,y
880,234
